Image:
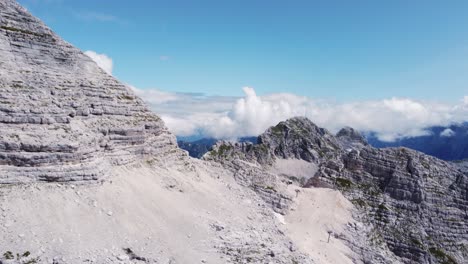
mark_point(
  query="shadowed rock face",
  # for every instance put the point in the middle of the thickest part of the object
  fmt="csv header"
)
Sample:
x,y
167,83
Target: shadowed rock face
x,y
415,205
62,118
351,139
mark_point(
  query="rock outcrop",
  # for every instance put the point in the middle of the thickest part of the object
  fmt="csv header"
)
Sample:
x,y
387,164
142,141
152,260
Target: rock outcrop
x,y
62,118
414,205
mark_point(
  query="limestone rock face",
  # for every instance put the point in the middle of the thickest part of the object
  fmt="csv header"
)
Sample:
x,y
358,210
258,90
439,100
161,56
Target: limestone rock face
x,y
62,118
414,206
298,138
351,138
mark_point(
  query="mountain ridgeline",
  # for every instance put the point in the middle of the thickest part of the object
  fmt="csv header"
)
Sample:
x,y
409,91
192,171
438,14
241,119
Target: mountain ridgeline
x,y
447,143
414,204
88,174
451,145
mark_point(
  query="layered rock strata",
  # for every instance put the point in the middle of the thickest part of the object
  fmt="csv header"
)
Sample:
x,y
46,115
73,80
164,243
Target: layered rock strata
x,y
62,118
415,205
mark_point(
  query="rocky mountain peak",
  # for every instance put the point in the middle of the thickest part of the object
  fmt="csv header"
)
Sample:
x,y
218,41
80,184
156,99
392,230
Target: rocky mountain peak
x,y
300,138
63,118
351,138
414,205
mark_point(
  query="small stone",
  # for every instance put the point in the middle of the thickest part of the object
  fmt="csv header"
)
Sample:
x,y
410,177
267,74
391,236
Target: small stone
x,y
123,257
110,213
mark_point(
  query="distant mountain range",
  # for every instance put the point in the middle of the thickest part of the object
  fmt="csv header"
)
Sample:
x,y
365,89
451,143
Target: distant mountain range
x,y
447,143
199,147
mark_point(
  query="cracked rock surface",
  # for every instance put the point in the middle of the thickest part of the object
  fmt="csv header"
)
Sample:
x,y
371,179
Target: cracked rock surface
x,y
62,118
414,206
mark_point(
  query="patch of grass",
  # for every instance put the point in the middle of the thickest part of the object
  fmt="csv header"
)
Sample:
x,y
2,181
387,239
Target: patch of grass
x,y
382,207
214,153
370,190
278,129
416,242
381,214
443,257
223,149
343,183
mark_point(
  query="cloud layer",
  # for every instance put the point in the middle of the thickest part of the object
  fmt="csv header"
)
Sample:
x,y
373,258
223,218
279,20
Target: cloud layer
x,y
102,60
447,133
232,117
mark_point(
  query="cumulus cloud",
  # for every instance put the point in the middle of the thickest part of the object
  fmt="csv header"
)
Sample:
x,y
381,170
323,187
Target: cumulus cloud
x,y
232,117
102,60
154,96
447,133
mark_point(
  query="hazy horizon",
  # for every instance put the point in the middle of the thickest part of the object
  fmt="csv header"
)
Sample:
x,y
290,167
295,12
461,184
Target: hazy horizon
x,y
232,69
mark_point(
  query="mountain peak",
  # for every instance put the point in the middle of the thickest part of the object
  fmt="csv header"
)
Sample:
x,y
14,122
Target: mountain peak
x,y
298,137
62,118
351,138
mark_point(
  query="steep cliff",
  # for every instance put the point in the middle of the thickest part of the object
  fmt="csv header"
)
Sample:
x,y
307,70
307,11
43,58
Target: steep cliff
x,y
62,118
64,126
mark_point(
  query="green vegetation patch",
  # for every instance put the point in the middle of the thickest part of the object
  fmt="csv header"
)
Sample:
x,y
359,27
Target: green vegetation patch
x,y
443,257
223,150
278,129
382,207
416,242
344,183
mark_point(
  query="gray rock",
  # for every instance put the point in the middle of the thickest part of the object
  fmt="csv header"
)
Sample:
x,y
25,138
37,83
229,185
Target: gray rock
x,y
62,118
414,205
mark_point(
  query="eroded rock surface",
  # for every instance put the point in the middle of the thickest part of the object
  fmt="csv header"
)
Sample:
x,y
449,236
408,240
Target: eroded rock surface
x,y
414,206
62,118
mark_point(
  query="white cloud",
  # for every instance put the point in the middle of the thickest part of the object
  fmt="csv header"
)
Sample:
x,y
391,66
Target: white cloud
x,y
154,96
447,133
232,117
164,58
102,60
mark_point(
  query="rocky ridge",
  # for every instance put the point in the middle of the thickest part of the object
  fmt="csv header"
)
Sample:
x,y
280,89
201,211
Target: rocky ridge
x,y
64,126
62,118
414,205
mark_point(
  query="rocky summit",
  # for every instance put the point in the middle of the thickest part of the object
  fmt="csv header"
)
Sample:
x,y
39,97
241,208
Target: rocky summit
x,y
88,174
414,206
62,118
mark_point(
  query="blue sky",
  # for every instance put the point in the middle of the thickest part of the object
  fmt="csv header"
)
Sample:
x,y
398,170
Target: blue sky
x,y
339,50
